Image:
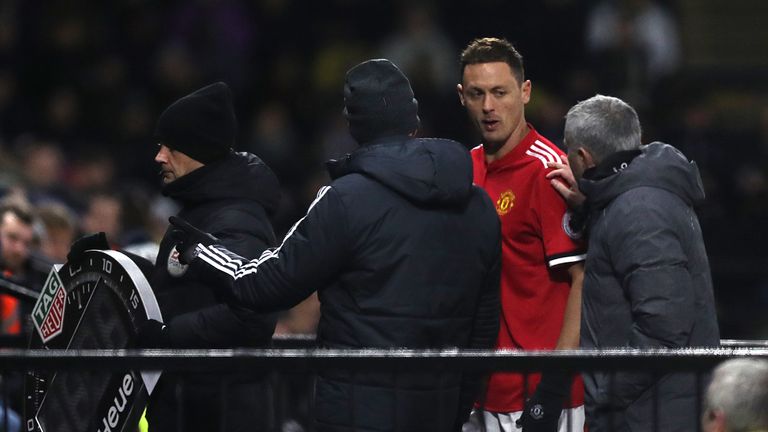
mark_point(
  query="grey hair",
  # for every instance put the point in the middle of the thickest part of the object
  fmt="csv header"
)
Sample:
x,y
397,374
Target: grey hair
x,y
739,388
603,125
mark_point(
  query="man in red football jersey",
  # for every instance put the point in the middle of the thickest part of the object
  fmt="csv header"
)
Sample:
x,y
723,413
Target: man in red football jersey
x,y
542,258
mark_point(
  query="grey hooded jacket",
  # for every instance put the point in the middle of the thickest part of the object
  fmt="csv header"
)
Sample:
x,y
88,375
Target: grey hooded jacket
x,y
647,285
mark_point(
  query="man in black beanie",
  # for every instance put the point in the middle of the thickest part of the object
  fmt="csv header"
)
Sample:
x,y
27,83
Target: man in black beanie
x,y
379,102
201,125
403,251
232,195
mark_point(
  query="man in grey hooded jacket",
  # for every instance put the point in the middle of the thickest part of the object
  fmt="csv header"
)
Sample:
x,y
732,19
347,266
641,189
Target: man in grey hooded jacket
x,y
647,282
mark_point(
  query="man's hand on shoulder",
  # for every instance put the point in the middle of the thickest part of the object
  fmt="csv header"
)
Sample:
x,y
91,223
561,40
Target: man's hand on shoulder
x,y
188,238
562,179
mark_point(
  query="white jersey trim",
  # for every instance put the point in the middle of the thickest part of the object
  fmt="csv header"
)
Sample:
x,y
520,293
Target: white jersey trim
x,y
543,153
537,156
541,146
567,259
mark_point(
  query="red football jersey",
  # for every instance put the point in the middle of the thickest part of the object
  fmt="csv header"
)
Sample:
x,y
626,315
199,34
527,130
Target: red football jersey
x,y
535,240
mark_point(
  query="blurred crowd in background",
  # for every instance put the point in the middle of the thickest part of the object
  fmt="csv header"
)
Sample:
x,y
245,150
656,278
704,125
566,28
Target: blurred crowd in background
x,y
82,83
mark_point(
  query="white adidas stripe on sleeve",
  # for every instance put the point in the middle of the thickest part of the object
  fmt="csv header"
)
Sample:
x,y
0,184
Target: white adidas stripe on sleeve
x,y
236,268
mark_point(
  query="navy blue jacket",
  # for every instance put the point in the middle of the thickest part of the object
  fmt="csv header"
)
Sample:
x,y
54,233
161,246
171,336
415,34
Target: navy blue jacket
x,y
404,252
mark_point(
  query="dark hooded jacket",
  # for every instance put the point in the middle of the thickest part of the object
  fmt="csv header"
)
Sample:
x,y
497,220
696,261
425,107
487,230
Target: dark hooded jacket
x,y
232,199
647,285
404,252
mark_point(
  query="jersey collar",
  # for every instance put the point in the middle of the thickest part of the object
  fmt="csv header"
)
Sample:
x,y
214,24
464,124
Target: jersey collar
x,y
517,153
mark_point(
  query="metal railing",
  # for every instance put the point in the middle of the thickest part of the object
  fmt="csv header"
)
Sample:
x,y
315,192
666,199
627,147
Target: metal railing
x,y
301,361
309,360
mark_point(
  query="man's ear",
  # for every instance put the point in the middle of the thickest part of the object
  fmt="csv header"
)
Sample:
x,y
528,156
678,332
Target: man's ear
x,y
460,91
587,160
525,91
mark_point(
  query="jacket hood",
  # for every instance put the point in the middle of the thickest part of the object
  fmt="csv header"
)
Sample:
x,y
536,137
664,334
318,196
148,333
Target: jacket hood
x,y
239,175
424,170
658,165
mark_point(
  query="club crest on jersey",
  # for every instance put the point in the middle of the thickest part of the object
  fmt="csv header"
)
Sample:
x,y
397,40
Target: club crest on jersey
x,y
505,202
569,231
175,268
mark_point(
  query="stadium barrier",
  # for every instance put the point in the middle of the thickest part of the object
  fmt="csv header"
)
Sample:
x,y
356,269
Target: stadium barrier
x,y
314,359
294,357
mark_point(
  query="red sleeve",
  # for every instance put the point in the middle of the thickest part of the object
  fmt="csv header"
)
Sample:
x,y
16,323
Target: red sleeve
x,y
561,245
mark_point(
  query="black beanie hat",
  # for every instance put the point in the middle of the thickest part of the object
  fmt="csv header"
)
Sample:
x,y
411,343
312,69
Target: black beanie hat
x,y
378,101
201,125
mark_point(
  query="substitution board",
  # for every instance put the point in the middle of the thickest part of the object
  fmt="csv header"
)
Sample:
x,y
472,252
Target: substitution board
x,y
99,302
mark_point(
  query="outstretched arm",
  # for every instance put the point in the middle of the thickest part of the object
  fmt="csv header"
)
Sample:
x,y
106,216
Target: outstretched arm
x,y
308,257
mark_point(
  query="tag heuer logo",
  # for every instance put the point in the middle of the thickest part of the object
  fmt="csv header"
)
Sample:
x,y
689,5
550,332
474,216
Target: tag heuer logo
x,y
48,314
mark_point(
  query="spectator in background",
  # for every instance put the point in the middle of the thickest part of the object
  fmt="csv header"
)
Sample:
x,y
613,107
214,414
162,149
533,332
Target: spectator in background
x,y
139,234
103,213
42,165
647,281
635,44
425,52
19,263
541,259
92,172
273,137
64,115
422,49
402,250
60,230
737,397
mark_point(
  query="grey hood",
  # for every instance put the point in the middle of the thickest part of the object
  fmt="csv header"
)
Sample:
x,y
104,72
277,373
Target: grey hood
x,y
659,165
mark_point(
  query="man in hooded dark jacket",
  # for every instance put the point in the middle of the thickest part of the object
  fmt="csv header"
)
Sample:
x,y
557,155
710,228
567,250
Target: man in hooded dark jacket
x,y
404,252
231,195
647,282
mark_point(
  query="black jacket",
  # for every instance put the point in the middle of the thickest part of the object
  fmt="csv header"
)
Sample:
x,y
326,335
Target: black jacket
x,y
231,199
647,285
404,252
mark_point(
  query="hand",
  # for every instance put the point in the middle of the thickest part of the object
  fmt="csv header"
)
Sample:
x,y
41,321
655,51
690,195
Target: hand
x,y
541,412
187,238
153,334
87,242
562,179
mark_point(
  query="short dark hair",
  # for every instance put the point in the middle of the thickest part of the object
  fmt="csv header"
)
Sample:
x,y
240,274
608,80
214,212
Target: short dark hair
x,y
489,50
